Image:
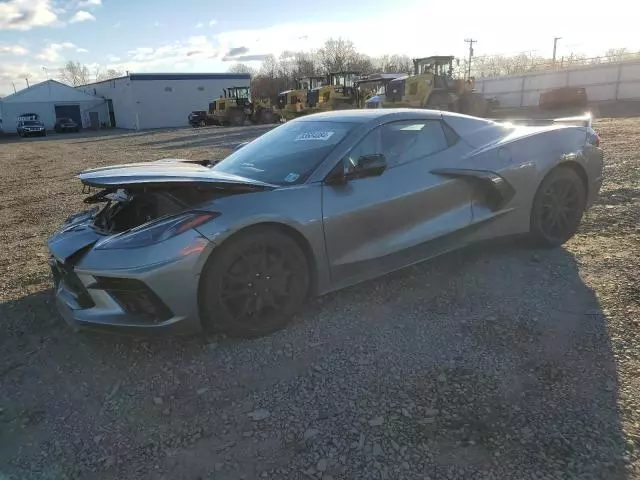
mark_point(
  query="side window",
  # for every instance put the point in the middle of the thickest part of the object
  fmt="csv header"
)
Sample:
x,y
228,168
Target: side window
x,y
403,141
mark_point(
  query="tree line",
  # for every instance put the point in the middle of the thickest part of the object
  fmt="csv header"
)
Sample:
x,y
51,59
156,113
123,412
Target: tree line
x,y
277,74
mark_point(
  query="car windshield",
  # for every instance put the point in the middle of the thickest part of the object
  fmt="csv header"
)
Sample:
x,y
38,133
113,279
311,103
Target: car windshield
x,y
287,154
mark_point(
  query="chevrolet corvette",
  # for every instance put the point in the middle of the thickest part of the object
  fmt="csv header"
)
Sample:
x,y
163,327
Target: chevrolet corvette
x,y
315,205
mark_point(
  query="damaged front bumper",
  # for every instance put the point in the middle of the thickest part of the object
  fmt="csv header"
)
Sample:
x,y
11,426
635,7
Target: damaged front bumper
x,y
139,291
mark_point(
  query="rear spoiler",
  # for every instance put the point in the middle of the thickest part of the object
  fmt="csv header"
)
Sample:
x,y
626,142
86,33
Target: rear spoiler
x,y
585,120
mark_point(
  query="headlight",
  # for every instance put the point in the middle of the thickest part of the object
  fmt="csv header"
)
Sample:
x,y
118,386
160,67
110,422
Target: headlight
x,y
156,231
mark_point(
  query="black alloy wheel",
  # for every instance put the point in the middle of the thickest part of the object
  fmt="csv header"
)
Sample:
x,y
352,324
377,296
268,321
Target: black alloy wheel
x,y
558,208
253,283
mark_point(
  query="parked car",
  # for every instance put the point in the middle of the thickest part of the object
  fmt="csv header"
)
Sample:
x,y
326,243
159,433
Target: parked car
x,y
199,118
66,125
317,204
28,128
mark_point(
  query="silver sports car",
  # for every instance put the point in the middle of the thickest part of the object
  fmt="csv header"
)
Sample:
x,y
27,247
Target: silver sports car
x,y
312,206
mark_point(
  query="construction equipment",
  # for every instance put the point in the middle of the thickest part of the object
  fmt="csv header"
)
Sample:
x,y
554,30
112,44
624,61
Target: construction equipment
x,y
235,106
338,94
374,85
293,103
432,86
564,97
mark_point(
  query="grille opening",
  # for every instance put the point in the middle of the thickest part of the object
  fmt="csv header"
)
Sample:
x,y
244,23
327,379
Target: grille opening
x,y
135,297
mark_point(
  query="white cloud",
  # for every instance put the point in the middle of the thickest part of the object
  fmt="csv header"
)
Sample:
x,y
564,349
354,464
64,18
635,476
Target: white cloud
x,y
196,51
81,50
112,58
13,50
199,25
89,3
15,73
25,14
117,25
81,16
53,53
158,24
212,23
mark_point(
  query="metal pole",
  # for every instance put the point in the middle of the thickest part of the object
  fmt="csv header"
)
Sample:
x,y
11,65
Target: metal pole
x,y
470,41
555,47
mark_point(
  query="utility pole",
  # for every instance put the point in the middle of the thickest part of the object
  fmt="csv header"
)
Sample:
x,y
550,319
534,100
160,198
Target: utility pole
x,y
470,41
27,80
555,46
46,72
14,87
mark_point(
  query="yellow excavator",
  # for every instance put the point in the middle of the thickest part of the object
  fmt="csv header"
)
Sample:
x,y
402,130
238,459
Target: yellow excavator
x,y
293,103
432,86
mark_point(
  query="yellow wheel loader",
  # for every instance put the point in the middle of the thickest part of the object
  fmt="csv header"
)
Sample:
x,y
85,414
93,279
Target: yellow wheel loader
x,y
432,86
374,85
293,103
338,94
235,106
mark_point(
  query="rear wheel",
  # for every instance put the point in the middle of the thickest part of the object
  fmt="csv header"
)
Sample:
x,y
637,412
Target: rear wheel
x,y
557,208
253,283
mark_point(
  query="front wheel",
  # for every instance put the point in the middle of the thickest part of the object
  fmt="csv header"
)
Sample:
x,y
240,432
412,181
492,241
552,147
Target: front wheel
x,y
557,208
253,283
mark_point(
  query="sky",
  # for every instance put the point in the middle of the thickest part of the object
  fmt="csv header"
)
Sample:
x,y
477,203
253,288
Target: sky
x,y
38,36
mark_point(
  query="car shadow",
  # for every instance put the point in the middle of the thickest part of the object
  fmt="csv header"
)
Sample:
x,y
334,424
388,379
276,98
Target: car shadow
x,y
508,344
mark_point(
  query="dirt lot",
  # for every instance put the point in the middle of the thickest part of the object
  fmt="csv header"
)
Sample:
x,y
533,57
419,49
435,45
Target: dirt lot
x,y
494,362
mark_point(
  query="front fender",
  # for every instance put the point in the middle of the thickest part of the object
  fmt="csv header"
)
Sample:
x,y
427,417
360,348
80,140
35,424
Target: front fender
x,y
297,208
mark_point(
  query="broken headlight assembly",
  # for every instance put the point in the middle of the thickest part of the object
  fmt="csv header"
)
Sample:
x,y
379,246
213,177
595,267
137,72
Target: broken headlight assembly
x,y
156,231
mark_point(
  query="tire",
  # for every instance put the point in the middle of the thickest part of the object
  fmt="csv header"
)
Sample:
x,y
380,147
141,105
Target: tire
x,y
230,266
202,123
561,188
236,118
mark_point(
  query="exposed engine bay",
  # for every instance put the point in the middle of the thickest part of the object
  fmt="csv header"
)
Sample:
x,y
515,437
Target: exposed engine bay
x,y
129,208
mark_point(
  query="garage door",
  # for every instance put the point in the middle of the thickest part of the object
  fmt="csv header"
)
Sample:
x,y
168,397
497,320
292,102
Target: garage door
x,y
69,111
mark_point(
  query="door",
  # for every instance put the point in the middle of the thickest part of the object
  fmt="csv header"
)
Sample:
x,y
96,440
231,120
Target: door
x,y
94,119
377,224
69,111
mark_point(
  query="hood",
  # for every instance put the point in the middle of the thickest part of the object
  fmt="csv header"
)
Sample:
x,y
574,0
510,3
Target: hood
x,y
162,172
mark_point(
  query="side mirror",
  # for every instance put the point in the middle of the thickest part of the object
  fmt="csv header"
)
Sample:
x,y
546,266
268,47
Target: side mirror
x,y
367,166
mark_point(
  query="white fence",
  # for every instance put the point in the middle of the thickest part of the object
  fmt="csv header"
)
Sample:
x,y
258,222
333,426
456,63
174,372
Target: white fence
x,y
603,82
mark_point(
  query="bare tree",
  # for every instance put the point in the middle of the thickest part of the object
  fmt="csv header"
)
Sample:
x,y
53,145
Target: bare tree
x,y
394,64
74,74
337,55
111,73
242,68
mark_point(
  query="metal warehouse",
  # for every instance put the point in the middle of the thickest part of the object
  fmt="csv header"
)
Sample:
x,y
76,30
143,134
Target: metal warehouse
x,y
157,100
51,100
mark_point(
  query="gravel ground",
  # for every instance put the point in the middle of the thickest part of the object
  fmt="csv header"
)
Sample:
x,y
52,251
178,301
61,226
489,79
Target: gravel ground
x,y
493,362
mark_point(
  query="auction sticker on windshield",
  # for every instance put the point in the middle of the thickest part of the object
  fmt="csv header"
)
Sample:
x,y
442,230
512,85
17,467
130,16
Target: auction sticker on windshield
x,y
323,136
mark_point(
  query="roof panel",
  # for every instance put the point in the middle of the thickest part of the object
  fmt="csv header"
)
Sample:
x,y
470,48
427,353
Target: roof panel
x,y
190,76
49,91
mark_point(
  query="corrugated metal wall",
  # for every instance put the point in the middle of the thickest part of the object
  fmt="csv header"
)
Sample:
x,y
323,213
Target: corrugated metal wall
x,y
604,82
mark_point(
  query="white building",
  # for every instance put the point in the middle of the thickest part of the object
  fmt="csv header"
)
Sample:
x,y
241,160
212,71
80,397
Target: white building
x,y
157,100
51,100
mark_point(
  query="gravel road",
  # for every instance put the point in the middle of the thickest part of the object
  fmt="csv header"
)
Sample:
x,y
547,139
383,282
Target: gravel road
x,y
494,362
